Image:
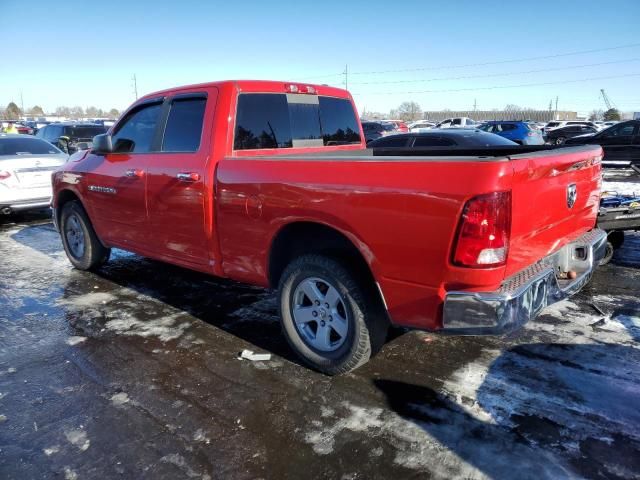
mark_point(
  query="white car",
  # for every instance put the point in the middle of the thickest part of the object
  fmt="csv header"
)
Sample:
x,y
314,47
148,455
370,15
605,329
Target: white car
x,y
420,126
457,122
26,165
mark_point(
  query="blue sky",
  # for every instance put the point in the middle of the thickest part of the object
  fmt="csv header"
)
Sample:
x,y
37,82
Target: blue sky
x,y
85,53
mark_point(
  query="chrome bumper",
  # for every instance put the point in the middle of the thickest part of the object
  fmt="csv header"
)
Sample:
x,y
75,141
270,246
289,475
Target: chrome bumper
x,y
21,205
522,296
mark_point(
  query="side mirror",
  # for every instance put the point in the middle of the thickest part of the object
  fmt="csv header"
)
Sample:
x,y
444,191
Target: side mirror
x,y
102,144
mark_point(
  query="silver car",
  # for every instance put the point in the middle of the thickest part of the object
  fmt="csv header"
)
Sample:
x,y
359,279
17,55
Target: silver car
x,y
26,164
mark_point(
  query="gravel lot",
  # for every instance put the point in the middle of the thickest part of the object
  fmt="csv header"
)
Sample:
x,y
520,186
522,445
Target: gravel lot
x,y
133,373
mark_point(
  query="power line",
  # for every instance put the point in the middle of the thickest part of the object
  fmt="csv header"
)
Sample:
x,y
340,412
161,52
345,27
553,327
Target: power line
x,y
500,62
480,64
491,75
502,86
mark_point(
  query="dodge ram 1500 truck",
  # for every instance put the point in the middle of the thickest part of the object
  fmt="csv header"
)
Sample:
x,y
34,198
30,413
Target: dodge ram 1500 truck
x,y
270,183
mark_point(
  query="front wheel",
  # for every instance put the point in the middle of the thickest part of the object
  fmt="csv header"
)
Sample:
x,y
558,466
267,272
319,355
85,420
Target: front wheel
x,y
560,140
331,318
80,242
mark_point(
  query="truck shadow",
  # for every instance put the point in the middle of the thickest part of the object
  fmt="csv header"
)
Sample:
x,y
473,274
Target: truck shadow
x,y
245,311
542,410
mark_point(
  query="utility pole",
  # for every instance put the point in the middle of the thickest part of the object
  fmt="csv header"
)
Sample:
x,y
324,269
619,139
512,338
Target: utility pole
x,y
21,103
346,77
135,86
556,115
475,105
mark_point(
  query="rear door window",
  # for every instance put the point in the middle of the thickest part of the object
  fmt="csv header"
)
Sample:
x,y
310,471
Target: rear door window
x,y
456,121
184,125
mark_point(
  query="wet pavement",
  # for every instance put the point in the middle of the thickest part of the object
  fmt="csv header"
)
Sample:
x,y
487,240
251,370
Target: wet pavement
x,y
133,373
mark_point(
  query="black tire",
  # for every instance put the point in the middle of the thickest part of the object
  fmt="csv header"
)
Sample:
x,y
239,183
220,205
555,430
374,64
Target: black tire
x,y
366,319
616,238
93,254
608,254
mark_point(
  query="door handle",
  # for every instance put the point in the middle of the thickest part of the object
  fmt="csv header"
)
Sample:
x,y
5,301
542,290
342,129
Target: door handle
x,y
188,176
134,173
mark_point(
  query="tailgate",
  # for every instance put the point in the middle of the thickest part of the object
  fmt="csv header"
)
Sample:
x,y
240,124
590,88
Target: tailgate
x,y
555,199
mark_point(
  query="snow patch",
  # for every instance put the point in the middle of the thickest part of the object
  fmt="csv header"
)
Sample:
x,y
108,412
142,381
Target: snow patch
x,y
78,438
622,188
70,474
120,399
165,328
181,463
51,450
88,300
200,436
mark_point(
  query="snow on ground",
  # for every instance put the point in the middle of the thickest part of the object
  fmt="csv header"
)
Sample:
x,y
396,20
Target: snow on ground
x,y
622,188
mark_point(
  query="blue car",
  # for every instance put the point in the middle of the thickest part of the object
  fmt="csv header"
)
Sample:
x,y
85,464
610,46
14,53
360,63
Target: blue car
x,y
519,132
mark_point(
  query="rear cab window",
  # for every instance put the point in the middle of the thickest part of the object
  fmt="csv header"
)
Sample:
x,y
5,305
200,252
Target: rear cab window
x,y
287,120
183,129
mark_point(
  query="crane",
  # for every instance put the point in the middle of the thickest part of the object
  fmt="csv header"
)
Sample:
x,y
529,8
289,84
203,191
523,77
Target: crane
x,y
606,99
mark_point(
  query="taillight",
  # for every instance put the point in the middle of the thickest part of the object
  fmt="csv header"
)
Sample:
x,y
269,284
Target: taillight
x,y
4,174
484,230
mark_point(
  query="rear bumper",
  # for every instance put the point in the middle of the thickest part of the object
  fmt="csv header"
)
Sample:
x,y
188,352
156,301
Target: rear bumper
x,y
7,207
522,296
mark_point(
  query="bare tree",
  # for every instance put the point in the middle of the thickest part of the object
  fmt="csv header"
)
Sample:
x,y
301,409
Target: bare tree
x,y
408,111
76,112
63,112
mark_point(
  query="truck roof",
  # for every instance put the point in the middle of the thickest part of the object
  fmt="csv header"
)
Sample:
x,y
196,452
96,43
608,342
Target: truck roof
x,y
266,86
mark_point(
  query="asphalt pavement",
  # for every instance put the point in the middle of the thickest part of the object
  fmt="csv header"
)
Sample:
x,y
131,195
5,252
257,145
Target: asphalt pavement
x,y
132,372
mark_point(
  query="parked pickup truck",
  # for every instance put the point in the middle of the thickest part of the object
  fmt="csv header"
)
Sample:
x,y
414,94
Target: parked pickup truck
x,y
270,183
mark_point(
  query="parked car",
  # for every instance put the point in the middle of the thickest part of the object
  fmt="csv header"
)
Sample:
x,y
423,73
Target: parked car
x,y
564,123
373,130
70,136
519,132
22,129
559,135
420,126
442,138
620,142
285,195
398,125
457,122
26,165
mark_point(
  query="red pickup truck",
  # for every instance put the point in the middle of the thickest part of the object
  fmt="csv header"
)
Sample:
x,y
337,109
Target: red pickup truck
x,y
270,183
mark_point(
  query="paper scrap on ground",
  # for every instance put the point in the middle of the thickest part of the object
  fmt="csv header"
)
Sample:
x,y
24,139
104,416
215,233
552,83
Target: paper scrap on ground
x,y
254,357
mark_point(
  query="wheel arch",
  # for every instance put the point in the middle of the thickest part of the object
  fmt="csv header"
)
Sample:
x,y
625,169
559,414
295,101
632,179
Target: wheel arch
x,y
304,237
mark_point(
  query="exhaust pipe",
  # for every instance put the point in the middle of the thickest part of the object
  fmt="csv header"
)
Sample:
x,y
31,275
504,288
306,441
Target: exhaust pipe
x,y
6,211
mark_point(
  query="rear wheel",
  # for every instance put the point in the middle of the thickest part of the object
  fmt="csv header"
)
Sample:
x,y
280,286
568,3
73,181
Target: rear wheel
x,y
330,316
615,240
80,242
